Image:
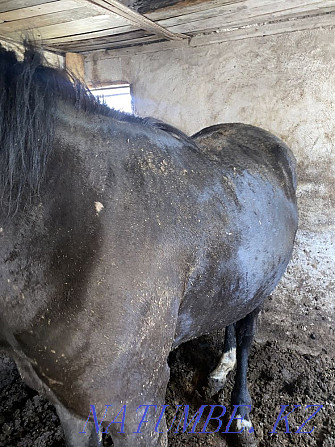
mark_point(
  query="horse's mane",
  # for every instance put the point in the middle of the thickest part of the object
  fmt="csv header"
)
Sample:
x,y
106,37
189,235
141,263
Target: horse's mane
x,y
29,94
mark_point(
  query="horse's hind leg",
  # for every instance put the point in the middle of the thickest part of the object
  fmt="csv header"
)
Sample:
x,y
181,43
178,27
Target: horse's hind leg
x,y
218,377
72,427
245,331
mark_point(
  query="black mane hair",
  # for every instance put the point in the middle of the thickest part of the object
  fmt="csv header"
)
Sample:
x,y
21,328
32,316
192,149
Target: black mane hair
x,y
29,91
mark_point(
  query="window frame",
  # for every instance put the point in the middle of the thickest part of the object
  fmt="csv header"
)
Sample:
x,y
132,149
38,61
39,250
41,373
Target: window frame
x,y
101,86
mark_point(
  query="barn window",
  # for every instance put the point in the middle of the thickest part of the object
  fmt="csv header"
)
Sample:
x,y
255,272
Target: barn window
x,y
117,96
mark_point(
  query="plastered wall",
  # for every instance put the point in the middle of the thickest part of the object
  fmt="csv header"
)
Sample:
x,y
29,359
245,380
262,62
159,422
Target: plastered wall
x,y
53,59
285,84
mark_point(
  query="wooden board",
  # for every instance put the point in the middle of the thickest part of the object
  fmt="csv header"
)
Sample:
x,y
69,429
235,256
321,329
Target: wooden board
x,y
140,21
38,10
92,35
306,23
106,36
10,5
251,9
252,12
74,63
93,46
46,20
81,26
184,8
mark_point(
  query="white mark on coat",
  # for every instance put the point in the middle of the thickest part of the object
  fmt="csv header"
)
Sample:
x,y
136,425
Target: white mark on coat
x,y
226,364
241,424
98,206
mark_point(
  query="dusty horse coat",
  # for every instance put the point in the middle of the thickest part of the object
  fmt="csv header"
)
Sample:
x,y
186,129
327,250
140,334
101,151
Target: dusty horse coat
x,y
136,240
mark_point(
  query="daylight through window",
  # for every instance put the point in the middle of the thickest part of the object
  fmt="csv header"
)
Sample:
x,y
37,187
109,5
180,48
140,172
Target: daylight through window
x,y
115,96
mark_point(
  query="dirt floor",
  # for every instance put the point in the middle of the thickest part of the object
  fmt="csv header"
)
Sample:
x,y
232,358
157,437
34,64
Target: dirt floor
x,y
276,377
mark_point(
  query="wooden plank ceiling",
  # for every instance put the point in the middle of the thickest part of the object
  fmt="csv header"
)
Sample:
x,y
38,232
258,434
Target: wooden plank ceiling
x,y
87,25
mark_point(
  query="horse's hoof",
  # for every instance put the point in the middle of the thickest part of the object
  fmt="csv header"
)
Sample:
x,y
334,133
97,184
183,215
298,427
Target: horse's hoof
x,y
214,386
242,440
245,439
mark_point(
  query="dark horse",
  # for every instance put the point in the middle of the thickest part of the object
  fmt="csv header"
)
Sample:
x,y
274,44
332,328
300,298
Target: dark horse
x,y
122,238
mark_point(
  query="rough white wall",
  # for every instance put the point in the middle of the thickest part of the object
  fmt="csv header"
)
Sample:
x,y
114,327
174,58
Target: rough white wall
x,y
285,84
53,59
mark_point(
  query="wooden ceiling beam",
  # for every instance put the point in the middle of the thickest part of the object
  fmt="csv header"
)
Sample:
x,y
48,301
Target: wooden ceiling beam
x,y
142,22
